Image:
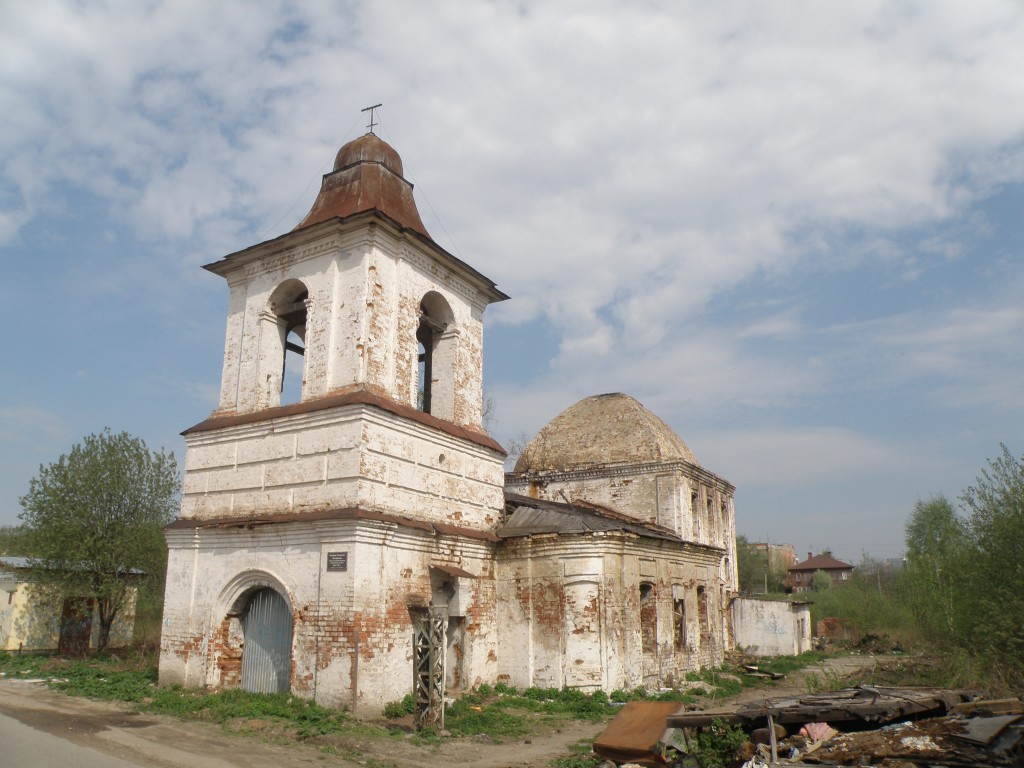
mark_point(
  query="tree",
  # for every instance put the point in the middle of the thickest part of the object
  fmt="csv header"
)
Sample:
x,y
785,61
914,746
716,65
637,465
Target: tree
x,y
13,541
996,574
751,565
516,447
97,513
821,581
936,540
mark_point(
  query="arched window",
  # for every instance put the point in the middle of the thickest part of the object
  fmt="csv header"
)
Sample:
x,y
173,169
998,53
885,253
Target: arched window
x,y
435,361
679,621
648,618
283,344
702,613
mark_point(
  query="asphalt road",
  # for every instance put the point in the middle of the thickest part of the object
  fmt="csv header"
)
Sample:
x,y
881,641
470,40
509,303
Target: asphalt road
x,y
40,728
27,747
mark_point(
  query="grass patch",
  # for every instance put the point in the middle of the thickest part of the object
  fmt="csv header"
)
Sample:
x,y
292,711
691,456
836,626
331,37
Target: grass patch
x,y
829,680
783,665
581,755
499,711
133,678
511,713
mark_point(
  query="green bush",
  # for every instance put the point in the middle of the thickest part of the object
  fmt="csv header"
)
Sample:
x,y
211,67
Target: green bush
x,y
396,709
716,747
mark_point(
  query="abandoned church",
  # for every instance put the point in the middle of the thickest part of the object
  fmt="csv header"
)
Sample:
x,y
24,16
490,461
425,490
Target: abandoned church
x,y
364,536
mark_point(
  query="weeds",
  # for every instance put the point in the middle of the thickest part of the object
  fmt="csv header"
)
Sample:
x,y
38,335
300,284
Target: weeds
x,y
828,680
783,665
580,755
396,709
715,747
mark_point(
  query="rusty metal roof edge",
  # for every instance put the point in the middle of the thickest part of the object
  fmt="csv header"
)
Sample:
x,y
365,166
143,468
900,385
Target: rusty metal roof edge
x,y
453,570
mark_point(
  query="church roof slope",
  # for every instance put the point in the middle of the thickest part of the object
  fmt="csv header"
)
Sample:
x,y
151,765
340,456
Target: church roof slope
x,y
602,430
526,516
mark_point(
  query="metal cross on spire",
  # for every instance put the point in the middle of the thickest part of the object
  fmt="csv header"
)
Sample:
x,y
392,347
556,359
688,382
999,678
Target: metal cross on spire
x,y
370,110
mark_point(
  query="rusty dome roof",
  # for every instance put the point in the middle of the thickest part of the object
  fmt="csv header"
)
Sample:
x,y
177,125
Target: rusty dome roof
x,y
602,430
369,148
367,176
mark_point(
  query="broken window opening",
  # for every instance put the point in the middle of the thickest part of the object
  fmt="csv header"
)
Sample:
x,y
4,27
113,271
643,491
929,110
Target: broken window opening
x,y
679,623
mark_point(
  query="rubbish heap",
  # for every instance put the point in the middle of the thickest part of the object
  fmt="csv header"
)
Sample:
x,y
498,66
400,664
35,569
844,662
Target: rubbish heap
x,y
889,727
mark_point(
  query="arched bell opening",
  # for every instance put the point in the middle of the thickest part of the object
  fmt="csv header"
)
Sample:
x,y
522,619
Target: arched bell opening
x,y
283,344
435,359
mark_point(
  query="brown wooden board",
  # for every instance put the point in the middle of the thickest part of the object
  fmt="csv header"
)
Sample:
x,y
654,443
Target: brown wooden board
x,y
634,734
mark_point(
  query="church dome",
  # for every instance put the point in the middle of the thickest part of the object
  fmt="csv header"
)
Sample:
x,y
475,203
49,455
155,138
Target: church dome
x,y
368,148
367,176
602,430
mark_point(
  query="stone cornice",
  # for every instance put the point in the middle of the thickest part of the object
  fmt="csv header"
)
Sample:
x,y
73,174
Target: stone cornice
x,y
623,470
351,513
307,236
339,400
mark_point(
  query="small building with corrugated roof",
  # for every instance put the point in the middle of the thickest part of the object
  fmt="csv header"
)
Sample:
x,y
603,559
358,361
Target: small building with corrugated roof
x,y
33,618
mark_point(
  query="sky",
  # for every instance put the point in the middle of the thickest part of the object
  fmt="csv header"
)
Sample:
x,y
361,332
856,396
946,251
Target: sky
x,y
793,230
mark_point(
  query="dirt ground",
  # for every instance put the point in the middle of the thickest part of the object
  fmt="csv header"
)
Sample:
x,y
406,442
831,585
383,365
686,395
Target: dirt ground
x,y
164,742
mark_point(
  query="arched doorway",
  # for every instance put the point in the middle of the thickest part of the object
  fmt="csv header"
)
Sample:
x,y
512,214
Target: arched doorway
x,y
267,652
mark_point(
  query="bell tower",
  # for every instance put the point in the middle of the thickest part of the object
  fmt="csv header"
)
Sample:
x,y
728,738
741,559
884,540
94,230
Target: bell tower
x,y
364,298
345,478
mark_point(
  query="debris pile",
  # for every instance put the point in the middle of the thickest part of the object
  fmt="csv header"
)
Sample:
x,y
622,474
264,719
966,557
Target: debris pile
x,y
866,725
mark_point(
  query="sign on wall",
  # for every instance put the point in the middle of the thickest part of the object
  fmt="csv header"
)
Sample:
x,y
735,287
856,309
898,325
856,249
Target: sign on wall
x,y
337,561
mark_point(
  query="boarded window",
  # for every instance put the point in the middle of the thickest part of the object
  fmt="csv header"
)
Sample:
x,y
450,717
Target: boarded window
x,y
648,618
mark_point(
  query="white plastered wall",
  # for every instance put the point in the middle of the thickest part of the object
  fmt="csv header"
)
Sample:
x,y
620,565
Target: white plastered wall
x,y
348,456
352,641
549,642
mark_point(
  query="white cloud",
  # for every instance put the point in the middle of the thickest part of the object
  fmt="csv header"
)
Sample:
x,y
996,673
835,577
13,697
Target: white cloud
x,y
806,456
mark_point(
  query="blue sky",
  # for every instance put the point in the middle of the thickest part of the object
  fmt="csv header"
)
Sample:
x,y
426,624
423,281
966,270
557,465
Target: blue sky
x,y
793,230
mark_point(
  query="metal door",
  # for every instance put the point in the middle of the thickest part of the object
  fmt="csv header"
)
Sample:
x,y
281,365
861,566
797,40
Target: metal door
x,y
267,653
